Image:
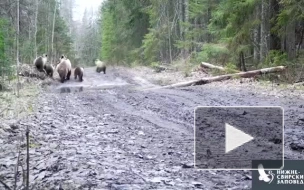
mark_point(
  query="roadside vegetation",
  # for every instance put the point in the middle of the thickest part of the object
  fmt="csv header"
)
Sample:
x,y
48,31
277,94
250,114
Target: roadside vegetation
x,y
230,33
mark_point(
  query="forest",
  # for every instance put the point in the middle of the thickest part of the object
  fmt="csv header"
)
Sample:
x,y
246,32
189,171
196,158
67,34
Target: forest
x,y
258,33
238,34
44,26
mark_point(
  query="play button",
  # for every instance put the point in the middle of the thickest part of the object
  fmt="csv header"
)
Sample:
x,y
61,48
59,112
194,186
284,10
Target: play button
x,y
231,137
235,138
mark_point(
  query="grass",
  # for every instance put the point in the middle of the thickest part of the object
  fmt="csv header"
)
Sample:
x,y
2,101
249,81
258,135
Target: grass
x,y
13,107
184,66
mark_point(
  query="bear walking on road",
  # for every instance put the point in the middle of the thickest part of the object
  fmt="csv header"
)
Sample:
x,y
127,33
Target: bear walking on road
x,y
100,66
64,69
79,73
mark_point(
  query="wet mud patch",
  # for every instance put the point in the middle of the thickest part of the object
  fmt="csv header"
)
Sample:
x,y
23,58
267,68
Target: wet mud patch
x,y
74,89
92,81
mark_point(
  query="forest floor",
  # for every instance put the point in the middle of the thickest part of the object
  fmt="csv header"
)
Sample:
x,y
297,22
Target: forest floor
x,y
110,132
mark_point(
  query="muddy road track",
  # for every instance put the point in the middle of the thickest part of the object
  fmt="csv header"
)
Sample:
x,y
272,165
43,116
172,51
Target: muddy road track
x,y
109,132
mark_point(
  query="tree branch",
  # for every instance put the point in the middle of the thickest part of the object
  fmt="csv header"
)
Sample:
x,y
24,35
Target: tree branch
x,y
5,185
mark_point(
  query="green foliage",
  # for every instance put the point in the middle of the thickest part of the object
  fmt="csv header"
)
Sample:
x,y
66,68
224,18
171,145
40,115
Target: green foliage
x,y
123,27
107,35
231,68
213,53
275,58
136,56
154,65
292,11
151,45
2,38
6,43
232,23
62,40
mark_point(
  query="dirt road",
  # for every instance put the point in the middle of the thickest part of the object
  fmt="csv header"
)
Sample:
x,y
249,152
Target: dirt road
x,y
109,132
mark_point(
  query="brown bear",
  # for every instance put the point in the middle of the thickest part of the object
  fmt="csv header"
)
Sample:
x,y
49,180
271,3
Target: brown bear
x,y
78,72
100,66
49,68
64,69
39,62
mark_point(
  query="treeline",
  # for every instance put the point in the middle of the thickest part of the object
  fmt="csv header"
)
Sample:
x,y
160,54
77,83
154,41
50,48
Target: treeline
x,y
233,32
43,28
87,38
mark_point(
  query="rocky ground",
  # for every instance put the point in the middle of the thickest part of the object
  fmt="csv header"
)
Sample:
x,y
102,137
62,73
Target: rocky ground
x,y
112,132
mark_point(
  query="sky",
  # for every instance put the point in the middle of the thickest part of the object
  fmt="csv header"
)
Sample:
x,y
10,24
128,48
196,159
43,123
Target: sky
x,y
80,6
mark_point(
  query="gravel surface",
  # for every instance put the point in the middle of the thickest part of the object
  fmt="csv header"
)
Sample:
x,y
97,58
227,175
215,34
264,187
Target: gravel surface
x,y
110,132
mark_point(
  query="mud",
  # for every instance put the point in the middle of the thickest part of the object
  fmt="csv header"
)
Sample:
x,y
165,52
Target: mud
x,y
109,132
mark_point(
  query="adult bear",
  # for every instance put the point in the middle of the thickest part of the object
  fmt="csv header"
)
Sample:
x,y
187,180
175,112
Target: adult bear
x,y
100,66
78,72
40,62
64,69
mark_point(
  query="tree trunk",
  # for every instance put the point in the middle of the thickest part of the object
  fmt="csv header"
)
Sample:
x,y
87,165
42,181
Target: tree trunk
x,y
300,40
186,12
291,40
257,35
242,66
17,49
264,47
181,21
53,28
47,37
283,41
207,20
274,10
35,35
169,33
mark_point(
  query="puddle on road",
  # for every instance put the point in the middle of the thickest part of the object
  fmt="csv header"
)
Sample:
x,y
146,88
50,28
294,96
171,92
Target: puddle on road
x,y
70,89
80,88
92,83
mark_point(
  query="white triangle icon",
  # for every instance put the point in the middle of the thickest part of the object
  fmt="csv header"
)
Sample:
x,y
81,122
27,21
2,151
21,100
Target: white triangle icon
x,y
235,138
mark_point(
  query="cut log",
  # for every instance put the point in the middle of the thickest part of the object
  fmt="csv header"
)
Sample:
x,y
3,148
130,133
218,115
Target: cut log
x,y
248,74
210,66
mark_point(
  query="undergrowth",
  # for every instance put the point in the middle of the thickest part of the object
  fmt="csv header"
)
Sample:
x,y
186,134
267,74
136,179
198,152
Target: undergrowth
x,y
13,107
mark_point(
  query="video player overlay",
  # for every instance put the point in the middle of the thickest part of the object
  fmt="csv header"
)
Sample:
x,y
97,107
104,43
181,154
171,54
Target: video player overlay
x,y
231,137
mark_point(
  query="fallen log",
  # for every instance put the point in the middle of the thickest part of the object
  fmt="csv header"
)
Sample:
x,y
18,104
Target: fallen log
x,y
248,74
210,66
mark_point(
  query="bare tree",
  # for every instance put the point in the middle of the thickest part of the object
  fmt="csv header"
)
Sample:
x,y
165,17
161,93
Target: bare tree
x,y
257,34
265,34
17,50
36,18
291,40
52,43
